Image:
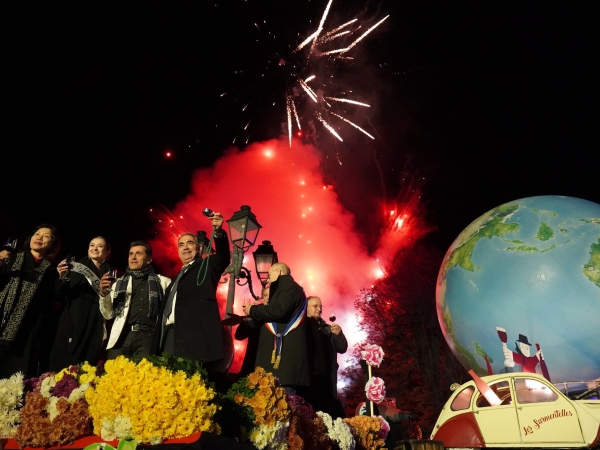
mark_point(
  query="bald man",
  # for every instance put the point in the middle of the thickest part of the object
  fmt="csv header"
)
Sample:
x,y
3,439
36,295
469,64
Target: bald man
x,y
324,343
282,348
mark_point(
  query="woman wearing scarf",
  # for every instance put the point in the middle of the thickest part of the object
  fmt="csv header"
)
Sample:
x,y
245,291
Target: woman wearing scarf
x,y
81,325
27,304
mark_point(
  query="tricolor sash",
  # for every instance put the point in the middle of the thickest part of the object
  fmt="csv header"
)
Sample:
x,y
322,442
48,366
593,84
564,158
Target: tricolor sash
x,y
294,323
89,275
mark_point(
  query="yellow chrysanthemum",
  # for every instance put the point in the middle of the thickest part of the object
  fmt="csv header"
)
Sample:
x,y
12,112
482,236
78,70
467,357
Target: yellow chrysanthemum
x,y
160,404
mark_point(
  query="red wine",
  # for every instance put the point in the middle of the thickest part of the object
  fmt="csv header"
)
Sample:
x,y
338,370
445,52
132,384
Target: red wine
x,y
332,318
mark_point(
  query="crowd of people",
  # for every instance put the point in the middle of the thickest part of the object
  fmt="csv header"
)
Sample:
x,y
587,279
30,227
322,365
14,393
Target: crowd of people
x,y
53,316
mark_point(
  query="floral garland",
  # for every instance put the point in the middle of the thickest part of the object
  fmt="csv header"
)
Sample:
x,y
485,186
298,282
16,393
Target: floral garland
x,y
149,403
11,399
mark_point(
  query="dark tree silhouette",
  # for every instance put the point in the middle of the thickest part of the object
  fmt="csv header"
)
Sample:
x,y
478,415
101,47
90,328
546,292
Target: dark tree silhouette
x,y
399,314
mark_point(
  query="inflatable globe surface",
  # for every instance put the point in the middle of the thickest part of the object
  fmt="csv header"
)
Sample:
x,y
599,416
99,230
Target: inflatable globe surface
x,y
526,273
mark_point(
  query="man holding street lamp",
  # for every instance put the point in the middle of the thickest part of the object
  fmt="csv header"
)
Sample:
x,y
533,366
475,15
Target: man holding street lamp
x,y
282,348
191,324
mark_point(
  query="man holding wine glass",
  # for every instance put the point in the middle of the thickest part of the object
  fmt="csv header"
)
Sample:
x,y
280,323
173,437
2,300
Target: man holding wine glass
x,y
134,302
325,341
190,323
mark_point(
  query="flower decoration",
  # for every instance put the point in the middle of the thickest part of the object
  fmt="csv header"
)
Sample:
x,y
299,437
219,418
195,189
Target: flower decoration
x,y
55,410
256,408
52,421
150,403
372,354
385,428
338,430
11,399
262,393
375,389
367,432
307,430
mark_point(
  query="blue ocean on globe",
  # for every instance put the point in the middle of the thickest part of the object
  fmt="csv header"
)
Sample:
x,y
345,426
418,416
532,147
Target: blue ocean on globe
x,y
526,273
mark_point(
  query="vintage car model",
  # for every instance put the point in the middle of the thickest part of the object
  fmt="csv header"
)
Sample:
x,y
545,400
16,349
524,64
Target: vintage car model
x,y
517,410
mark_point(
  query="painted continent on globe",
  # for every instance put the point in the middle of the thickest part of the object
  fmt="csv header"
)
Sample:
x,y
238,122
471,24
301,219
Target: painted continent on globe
x,y
527,273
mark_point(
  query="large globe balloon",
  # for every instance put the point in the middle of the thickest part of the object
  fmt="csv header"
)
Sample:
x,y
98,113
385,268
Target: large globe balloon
x,y
519,290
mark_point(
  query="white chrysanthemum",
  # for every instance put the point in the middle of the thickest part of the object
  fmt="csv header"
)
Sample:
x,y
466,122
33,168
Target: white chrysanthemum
x,y
122,427
338,430
78,393
52,409
47,386
108,430
11,399
272,437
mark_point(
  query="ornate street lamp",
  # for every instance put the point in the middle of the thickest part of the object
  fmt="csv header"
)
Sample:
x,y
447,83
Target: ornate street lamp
x,y
264,257
243,228
243,231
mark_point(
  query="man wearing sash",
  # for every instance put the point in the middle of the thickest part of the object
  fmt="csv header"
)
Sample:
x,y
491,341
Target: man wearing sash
x,y
134,301
282,348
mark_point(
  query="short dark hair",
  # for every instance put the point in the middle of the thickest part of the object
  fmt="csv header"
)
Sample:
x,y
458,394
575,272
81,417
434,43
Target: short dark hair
x,y
142,244
54,246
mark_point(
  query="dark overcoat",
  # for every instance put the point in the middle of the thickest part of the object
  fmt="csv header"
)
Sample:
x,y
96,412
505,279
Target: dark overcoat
x,y
81,325
29,351
333,344
198,330
286,298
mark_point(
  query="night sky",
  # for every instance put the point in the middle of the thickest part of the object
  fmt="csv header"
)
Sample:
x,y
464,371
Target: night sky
x,y
483,102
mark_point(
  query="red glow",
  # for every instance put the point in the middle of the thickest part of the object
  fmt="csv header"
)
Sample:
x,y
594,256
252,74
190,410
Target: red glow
x,y
168,154
280,198
299,133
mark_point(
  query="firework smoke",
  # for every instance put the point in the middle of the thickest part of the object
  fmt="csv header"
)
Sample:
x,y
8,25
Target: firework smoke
x,y
302,217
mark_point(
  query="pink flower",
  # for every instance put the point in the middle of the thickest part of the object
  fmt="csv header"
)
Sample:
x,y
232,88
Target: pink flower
x,y
375,389
385,428
372,354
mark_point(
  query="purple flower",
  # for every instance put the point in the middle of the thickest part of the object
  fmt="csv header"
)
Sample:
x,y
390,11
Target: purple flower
x,y
100,368
74,369
65,386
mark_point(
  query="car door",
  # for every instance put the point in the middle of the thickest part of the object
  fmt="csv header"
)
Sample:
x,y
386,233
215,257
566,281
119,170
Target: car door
x,y
545,415
498,424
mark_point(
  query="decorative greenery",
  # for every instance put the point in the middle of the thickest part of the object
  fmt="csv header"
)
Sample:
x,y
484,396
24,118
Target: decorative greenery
x,y
175,364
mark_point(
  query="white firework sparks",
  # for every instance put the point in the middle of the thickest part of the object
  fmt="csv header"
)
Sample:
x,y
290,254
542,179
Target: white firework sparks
x,y
313,42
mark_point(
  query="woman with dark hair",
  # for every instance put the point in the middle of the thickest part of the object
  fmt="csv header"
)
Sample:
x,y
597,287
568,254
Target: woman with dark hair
x,y
81,325
27,304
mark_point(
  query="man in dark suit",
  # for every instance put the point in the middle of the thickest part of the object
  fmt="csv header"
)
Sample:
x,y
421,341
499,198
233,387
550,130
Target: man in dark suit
x,y
191,324
324,343
284,330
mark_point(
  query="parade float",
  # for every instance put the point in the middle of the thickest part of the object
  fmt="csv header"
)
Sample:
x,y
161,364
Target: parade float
x,y
526,273
168,400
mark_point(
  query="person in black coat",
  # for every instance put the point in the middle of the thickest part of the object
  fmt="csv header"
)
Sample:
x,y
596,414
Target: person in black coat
x,y
286,311
27,304
81,325
324,343
191,323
